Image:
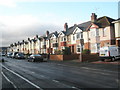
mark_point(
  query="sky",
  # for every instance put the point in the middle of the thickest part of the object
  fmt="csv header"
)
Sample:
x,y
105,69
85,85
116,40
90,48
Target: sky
x,y
20,19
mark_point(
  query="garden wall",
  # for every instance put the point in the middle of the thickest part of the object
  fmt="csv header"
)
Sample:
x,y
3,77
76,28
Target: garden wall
x,y
91,57
64,57
85,57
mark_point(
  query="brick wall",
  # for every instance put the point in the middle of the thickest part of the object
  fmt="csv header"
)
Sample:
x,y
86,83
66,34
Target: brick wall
x,y
64,57
91,57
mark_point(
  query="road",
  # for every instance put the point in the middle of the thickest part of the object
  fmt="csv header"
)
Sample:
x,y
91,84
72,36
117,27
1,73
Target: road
x,y
21,74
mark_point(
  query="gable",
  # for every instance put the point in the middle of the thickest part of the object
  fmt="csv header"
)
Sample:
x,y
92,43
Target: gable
x,y
76,30
61,34
92,26
53,36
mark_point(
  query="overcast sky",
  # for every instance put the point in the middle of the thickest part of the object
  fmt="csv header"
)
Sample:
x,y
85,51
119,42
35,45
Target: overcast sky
x,y
20,19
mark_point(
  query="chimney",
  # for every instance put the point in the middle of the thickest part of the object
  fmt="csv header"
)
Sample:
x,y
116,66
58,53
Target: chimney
x,y
47,33
36,36
28,39
75,24
65,27
93,17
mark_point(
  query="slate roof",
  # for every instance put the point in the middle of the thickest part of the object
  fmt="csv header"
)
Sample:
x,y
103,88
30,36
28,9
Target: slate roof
x,y
101,22
70,30
85,25
50,35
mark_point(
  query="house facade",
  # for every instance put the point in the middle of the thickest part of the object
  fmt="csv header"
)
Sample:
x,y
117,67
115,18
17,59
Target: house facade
x,y
117,31
93,34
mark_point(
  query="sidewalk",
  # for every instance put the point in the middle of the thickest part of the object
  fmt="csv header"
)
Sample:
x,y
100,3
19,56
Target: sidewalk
x,y
102,62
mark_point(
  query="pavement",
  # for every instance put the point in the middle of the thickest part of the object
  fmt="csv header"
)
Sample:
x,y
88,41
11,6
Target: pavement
x,y
66,75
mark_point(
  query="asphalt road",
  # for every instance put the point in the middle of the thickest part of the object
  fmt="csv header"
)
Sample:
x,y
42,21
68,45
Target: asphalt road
x,y
20,75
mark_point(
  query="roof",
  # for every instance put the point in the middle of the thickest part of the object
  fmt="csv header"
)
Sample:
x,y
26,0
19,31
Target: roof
x,y
118,20
104,21
50,35
101,22
85,25
82,26
70,30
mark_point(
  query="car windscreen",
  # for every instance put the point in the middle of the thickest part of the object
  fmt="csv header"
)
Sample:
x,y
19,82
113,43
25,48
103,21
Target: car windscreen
x,y
36,55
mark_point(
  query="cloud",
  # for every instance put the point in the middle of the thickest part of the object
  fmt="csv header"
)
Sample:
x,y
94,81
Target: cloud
x,y
17,28
8,3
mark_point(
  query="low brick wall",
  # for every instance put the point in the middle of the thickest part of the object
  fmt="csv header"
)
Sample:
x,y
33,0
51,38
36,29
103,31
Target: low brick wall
x,y
64,57
85,57
56,57
91,57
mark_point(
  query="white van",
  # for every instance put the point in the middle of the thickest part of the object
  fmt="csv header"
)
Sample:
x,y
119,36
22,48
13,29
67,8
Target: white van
x,y
109,52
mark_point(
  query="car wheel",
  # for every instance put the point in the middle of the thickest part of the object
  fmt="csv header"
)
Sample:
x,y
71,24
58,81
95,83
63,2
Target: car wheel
x,y
102,59
113,59
33,60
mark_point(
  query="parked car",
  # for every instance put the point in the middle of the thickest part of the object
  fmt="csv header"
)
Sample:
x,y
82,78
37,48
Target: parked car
x,y
9,55
14,54
20,56
3,54
35,58
110,52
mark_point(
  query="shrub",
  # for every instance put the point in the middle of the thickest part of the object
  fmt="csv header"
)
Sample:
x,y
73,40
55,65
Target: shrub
x,y
86,51
58,52
66,51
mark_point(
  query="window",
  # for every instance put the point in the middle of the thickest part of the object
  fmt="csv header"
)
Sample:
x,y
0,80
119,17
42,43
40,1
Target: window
x,y
98,46
104,32
97,32
81,34
78,35
92,33
73,37
63,39
78,48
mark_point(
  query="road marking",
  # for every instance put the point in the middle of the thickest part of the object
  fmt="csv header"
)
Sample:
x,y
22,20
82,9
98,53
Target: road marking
x,y
33,72
9,80
22,78
75,88
56,81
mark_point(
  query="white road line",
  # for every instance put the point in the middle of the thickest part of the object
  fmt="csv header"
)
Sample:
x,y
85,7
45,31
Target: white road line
x,y
23,78
9,80
56,81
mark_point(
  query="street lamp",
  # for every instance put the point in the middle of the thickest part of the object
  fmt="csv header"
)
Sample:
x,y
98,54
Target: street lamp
x,y
81,44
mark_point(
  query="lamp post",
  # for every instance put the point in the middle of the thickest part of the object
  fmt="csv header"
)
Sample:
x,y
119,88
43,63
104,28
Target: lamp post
x,y
81,44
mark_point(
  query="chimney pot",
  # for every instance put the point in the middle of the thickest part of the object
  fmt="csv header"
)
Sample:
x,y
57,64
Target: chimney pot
x,y
47,33
93,17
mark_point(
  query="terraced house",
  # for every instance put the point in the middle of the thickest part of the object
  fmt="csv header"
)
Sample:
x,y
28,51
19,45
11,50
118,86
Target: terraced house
x,y
93,34
117,31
